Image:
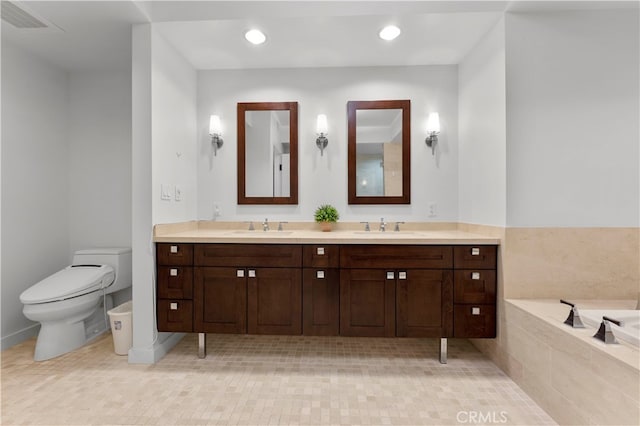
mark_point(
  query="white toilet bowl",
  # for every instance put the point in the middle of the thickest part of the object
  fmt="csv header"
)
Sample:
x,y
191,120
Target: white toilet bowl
x,y
67,303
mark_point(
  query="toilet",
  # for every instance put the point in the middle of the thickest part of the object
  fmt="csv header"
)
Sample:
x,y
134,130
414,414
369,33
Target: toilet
x,y
71,304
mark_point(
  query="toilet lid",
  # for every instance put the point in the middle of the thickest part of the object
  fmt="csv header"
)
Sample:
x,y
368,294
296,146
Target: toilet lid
x,y
72,281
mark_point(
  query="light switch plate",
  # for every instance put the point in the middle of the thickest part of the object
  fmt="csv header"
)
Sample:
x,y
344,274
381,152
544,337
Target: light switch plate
x,y
165,191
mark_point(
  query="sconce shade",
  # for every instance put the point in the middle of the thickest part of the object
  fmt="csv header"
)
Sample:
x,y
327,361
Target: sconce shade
x,y
433,123
215,127
321,130
321,126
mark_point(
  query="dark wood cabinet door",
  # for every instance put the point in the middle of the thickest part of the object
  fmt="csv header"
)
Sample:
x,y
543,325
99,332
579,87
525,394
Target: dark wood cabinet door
x,y
424,303
274,304
367,302
220,300
320,302
175,315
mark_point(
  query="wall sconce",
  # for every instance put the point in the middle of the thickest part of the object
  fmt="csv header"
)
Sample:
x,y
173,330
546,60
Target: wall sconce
x,y
215,131
433,128
321,130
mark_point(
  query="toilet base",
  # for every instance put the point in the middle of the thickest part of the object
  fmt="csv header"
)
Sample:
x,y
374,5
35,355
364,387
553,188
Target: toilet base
x,y
64,335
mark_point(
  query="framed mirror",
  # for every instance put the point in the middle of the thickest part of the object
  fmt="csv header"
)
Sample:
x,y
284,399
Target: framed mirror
x,y
379,152
268,153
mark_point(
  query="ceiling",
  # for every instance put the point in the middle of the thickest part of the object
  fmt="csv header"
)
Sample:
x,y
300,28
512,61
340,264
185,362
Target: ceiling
x,y
96,35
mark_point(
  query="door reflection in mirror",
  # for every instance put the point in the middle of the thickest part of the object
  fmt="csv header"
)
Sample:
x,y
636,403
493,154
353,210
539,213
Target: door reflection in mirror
x,y
267,153
379,152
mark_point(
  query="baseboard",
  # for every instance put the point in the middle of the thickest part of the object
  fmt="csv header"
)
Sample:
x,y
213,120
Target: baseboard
x,y
19,336
151,355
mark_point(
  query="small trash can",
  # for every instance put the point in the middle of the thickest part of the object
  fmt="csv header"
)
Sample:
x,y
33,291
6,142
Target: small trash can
x,y
121,327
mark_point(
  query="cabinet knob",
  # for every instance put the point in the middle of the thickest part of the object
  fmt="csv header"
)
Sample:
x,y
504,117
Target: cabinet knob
x,y
320,251
391,275
402,275
173,272
173,306
240,273
475,275
475,251
320,274
475,310
252,273
173,249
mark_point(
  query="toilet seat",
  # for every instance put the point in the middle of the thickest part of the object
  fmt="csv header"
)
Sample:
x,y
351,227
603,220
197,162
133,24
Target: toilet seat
x,y
72,281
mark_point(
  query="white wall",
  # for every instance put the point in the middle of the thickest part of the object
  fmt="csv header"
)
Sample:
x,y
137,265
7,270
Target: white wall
x,y
324,179
572,119
482,126
100,159
173,83
35,186
163,129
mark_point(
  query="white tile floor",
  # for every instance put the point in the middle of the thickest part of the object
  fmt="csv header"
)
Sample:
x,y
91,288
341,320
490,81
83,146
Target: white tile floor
x,y
263,380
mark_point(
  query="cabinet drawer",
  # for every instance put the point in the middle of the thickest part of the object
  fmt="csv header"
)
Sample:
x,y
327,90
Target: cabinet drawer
x,y
174,254
396,257
474,286
475,257
175,282
175,315
321,256
248,255
474,321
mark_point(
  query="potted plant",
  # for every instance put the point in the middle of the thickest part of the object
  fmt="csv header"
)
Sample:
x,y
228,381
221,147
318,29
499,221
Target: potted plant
x,y
325,215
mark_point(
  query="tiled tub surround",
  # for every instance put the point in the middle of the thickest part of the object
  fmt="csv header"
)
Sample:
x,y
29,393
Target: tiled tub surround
x,y
577,379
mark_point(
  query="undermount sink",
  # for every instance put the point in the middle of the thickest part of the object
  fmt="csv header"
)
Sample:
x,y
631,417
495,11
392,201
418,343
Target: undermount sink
x,y
261,233
386,233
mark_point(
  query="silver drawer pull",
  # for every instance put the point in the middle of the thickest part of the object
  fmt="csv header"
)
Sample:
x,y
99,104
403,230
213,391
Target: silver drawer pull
x,y
173,249
252,273
475,310
402,275
320,251
475,251
475,275
173,272
391,275
240,273
320,274
173,306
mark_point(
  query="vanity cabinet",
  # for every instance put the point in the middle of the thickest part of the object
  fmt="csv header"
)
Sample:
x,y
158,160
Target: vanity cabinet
x,y
474,288
389,290
321,290
248,288
332,289
174,272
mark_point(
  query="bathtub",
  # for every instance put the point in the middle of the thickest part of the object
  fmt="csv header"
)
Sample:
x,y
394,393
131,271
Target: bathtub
x,y
629,331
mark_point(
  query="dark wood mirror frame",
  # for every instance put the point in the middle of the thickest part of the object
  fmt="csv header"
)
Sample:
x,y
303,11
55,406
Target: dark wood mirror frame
x,y
292,107
405,106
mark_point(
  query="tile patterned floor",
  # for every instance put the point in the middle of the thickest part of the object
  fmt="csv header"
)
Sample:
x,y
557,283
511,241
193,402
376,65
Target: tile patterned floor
x,y
265,380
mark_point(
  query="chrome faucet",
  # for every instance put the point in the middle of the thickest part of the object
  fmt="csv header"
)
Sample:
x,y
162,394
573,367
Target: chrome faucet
x,y
280,228
397,228
265,224
366,226
383,224
251,228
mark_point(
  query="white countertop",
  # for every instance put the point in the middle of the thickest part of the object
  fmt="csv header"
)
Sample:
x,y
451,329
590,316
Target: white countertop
x,y
309,233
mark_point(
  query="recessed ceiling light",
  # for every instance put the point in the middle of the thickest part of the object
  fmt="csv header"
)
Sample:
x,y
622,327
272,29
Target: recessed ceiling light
x,y
389,32
255,36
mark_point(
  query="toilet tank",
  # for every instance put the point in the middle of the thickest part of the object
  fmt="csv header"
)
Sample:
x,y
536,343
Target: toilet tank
x,y
118,258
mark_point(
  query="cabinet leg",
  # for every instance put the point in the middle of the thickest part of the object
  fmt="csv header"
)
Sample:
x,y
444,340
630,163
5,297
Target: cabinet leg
x,y
202,345
443,350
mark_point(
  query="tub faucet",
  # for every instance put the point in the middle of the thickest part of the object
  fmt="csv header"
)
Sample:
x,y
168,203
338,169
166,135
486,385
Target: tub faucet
x,y
383,224
574,317
604,332
265,225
